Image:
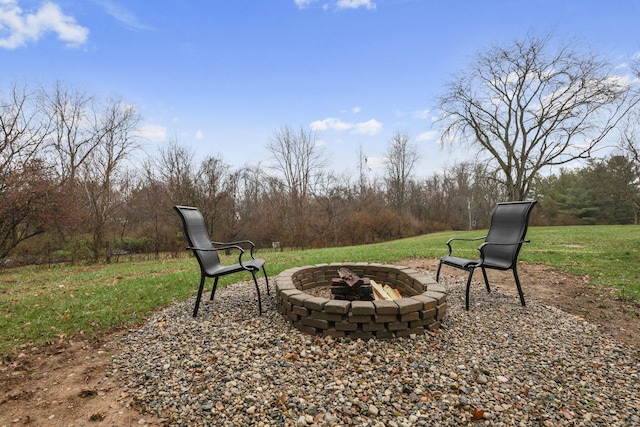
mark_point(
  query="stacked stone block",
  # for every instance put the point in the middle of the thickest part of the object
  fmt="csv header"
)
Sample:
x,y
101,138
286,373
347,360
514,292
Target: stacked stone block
x,y
421,309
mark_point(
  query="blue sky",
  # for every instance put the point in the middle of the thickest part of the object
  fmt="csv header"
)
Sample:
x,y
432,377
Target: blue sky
x,y
221,76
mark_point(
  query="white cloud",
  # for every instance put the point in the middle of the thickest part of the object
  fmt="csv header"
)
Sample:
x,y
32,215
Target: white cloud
x,y
354,4
17,27
199,135
303,3
370,127
331,124
622,66
122,15
422,114
154,133
428,136
339,4
356,110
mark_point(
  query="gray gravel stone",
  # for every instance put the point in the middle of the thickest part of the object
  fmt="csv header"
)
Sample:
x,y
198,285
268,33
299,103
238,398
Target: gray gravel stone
x,y
499,364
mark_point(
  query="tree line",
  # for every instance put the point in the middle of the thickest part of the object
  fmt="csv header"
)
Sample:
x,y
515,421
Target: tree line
x,y
74,184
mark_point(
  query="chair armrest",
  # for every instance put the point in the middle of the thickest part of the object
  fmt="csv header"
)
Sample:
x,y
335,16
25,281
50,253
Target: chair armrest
x,y
519,242
234,243
485,244
467,239
222,248
237,243
217,248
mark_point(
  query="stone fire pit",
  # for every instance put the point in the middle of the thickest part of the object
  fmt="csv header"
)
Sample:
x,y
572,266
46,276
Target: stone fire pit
x,y
422,307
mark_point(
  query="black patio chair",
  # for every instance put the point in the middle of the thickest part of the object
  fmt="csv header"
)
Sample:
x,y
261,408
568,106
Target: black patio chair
x,y
509,223
206,252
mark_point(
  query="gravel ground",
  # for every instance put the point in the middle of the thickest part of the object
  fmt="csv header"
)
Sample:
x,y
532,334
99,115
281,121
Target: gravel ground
x,y
499,364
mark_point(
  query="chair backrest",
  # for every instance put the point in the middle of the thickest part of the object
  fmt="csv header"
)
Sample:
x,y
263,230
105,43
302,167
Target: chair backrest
x,y
196,232
509,223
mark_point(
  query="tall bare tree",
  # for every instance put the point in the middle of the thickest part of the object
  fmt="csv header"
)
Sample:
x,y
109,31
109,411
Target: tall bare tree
x,y
533,104
401,158
300,161
298,157
218,187
363,170
153,196
177,169
72,138
258,205
104,172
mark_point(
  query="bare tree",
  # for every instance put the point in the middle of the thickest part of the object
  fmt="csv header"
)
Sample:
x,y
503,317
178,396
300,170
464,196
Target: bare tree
x,y
330,207
72,138
402,156
218,187
301,161
363,170
177,170
27,193
470,194
104,173
23,128
29,199
258,205
630,145
153,196
629,141
530,105
298,158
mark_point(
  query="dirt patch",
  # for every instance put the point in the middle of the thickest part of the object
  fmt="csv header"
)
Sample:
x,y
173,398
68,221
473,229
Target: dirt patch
x,y
66,384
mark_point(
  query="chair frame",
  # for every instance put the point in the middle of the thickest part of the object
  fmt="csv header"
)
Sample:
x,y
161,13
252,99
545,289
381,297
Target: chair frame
x,y
483,263
252,265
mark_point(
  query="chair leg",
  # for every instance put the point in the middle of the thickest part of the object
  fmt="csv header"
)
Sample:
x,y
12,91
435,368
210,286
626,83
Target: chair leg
x,y
468,288
515,275
438,272
486,280
255,280
266,278
215,286
195,309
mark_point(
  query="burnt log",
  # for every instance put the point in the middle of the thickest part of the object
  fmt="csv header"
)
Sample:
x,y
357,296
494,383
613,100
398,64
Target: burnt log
x,y
348,277
348,286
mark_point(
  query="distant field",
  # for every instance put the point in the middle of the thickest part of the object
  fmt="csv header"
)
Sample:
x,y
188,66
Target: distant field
x,y
39,305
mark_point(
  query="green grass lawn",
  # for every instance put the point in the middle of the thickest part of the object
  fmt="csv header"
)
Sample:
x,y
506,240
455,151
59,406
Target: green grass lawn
x,y
39,305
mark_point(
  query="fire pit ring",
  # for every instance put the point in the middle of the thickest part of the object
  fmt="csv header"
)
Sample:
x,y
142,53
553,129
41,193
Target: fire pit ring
x,y
422,309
